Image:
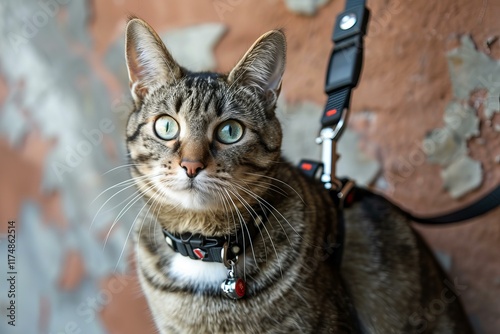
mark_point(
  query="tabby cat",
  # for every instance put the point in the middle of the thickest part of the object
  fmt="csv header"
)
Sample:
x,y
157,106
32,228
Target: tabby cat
x,y
205,151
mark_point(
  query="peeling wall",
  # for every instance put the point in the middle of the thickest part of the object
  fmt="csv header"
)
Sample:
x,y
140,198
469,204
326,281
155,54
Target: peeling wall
x,y
424,130
60,95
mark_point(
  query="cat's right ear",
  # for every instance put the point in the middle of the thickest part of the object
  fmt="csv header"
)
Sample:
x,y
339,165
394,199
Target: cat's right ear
x,y
263,65
149,63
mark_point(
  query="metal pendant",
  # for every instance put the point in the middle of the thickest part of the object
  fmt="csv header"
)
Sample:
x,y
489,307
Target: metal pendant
x,y
233,287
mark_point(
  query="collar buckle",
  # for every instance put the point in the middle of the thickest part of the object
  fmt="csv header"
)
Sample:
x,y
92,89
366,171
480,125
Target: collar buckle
x,y
196,246
216,249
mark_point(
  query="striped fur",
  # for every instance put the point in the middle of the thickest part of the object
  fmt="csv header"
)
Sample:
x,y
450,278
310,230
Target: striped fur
x,y
292,284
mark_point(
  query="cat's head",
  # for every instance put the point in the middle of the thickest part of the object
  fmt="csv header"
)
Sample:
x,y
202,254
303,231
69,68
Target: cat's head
x,y
201,141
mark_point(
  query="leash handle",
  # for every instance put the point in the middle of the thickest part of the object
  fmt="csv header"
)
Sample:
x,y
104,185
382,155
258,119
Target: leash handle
x,y
346,59
343,73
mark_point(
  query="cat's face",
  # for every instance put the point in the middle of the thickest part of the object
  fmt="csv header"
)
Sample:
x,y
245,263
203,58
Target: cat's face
x,y
202,141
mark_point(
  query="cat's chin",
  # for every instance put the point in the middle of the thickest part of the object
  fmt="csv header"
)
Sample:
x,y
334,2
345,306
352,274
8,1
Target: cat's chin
x,y
190,199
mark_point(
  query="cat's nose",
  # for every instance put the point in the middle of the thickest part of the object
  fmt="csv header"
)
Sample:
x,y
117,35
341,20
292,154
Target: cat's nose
x,y
192,167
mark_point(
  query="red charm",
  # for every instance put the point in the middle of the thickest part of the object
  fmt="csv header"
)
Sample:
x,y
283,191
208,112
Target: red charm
x,y
240,288
233,287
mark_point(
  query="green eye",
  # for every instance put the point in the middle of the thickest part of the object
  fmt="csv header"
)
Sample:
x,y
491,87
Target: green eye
x,y
229,132
166,128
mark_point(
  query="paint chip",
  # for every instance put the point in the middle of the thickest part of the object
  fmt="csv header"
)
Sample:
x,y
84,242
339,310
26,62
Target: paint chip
x,y
305,7
472,70
353,162
462,176
193,46
475,80
462,119
443,146
300,124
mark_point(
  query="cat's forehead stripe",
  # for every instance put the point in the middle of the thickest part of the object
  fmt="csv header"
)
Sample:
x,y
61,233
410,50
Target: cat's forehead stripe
x,y
204,94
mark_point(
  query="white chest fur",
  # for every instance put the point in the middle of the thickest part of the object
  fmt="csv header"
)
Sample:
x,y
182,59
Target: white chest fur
x,y
197,273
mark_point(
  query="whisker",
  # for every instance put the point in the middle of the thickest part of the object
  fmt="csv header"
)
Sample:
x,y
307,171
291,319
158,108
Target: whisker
x,y
123,211
125,182
268,186
271,209
157,209
247,206
227,198
275,179
219,193
242,222
122,166
154,217
133,183
128,234
109,199
149,186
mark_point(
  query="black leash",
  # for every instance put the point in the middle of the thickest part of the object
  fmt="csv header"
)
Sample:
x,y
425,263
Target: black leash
x,y
485,204
343,73
342,76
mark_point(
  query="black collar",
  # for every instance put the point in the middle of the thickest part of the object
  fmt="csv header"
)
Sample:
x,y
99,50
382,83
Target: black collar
x,y
217,249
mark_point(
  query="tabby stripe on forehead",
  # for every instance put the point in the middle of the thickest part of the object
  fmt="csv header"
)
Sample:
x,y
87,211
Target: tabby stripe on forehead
x,y
196,102
189,82
136,132
219,106
209,99
178,104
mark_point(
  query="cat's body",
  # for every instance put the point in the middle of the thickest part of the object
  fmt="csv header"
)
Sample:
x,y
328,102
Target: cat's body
x,y
205,150
300,292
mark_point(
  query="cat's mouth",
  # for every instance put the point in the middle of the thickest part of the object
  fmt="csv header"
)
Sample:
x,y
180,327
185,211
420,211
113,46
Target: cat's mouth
x,y
192,194
191,185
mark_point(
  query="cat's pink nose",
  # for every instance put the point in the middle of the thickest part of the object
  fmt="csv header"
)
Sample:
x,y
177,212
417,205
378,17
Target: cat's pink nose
x,y
192,167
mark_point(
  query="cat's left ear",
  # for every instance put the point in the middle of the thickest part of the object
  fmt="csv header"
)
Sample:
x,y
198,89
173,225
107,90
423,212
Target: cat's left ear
x,y
263,66
149,63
